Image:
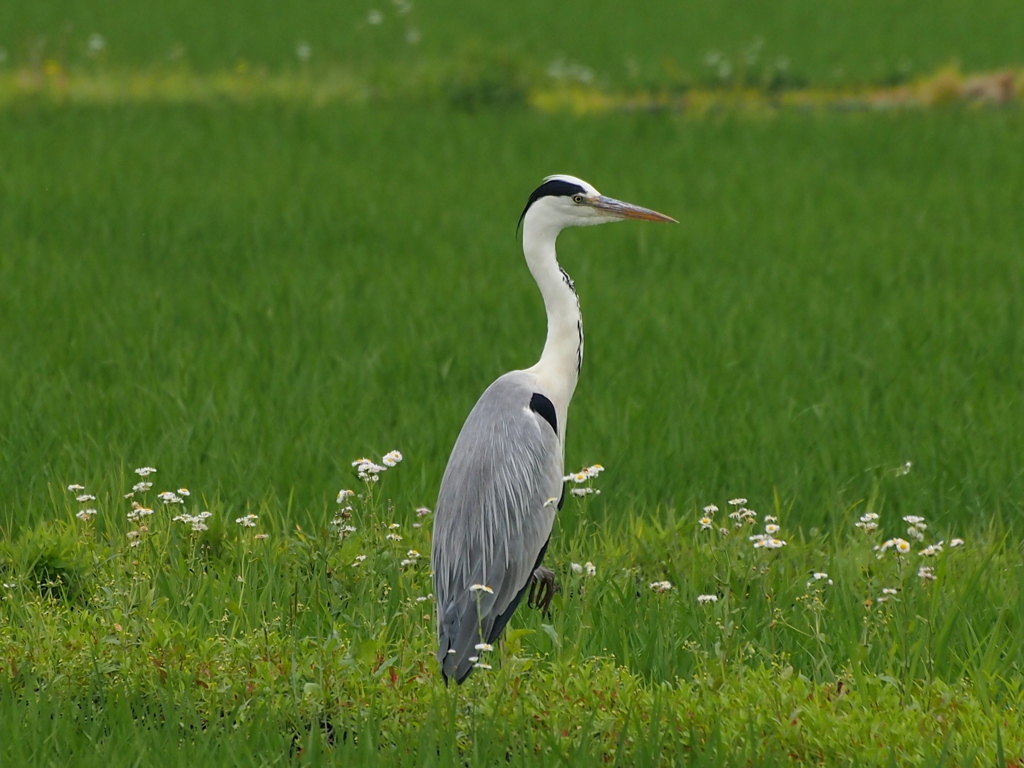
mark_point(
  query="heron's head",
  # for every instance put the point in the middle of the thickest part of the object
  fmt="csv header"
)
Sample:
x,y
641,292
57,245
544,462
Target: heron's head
x,y
565,201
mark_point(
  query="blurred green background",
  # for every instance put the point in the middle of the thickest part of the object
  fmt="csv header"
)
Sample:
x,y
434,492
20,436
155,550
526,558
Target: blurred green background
x,y
250,296
653,43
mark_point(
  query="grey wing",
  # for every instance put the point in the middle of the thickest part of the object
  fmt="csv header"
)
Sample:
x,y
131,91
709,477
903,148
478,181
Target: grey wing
x,y
493,517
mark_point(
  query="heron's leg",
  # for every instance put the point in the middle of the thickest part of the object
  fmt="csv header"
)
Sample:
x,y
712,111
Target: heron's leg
x,y
542,588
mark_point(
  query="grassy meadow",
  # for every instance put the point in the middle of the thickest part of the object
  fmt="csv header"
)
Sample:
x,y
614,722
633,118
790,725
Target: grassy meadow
x,y
249,296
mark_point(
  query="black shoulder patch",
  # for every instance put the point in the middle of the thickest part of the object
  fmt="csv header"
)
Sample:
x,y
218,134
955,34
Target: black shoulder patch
x,y
545,409
553,187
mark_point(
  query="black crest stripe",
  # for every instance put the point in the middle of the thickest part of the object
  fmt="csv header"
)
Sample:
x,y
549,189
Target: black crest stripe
x,y
545,409
556,187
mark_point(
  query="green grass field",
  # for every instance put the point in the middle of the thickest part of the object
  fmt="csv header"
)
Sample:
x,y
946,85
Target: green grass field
x,y
248,297
658,44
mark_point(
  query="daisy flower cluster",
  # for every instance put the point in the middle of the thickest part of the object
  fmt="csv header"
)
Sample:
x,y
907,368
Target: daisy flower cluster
x,y
480,649
173,497
899,546
916,528
902,548
589,568
768,539
86,513
198,522
411,557
138,512
868,522
582,477
740,515
344,514
370,471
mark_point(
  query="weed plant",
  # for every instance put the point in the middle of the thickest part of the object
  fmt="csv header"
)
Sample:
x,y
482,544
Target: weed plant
x,y
699,635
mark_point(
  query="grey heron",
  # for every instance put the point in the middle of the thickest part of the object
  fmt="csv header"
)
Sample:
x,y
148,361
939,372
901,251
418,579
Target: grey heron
x,y
503,483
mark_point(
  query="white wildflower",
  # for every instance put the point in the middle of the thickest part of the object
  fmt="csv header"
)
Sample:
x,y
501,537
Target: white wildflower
x,y
576,567
931,550
145,471
422,511
902,546
75,487
710,509
926,573
661,586
868,521
138,512
84,497
481,588
956,543
484,647
819,576
85,514
705,523
737,502
705,599
590,568
345,494
392,458
393,537
769,542
249,521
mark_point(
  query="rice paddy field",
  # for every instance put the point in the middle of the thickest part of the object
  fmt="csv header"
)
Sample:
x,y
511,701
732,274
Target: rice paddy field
x,y
242,247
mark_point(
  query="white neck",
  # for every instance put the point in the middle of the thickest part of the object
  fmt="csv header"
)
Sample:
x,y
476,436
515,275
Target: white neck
x,y
559,364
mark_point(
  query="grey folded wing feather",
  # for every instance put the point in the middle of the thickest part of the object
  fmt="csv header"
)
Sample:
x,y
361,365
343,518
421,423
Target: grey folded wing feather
x,y
493,517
